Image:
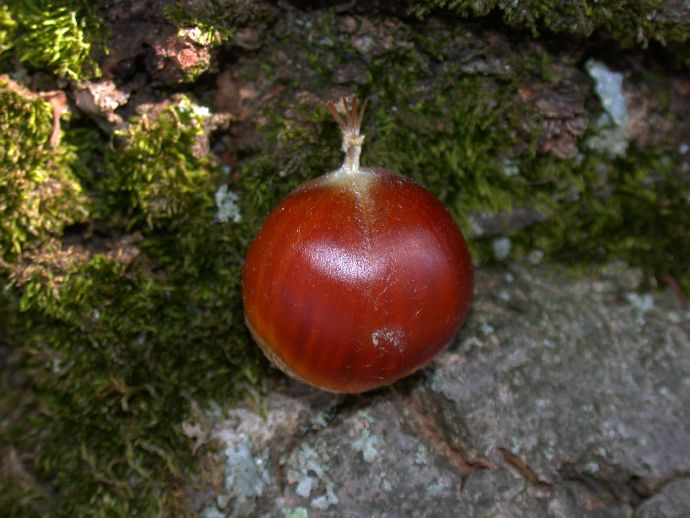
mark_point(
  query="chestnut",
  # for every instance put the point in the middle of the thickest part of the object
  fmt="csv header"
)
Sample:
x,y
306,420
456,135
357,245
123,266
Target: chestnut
x,y
357,278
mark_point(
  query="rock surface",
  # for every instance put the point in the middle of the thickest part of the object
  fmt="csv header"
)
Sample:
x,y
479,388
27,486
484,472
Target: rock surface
x,y
559,398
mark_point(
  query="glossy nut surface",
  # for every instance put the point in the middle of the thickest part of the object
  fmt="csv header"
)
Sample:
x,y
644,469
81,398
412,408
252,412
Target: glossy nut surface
x,y
355,281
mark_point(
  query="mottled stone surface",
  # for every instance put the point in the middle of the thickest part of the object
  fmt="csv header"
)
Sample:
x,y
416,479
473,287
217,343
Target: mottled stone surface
x,y
672,501
560,397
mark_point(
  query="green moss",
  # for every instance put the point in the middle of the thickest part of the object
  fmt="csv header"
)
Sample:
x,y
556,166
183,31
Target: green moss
x,y
631,21
115,357
38,185
634,208
8,29
153,170
58,35
117,342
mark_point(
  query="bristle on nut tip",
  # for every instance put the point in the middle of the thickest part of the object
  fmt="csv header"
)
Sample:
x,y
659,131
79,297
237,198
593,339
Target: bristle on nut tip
x,y
352,121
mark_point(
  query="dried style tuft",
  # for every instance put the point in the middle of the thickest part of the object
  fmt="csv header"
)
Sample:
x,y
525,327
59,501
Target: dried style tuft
x,y
353,117
350,126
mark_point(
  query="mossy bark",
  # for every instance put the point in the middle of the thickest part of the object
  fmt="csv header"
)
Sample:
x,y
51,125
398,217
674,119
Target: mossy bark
x,y
123,242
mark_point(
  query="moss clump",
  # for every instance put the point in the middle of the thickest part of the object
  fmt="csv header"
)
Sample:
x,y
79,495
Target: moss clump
x,y
153,169
58,35
117,341
39,189
8,28
635,208
631,21
114,359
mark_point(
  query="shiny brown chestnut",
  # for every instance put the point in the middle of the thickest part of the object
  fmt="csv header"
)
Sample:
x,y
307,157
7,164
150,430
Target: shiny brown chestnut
x,y
357,278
